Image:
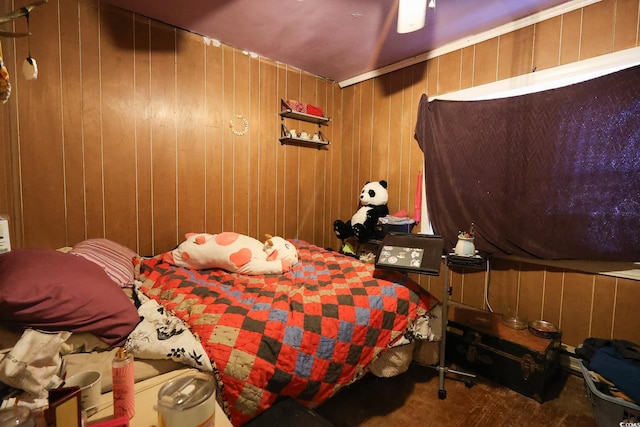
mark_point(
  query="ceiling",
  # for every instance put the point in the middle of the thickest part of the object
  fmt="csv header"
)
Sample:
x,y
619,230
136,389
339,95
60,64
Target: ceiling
x,y
336,39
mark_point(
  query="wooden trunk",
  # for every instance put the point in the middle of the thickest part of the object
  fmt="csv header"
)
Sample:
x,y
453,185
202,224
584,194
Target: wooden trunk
x,y
480,342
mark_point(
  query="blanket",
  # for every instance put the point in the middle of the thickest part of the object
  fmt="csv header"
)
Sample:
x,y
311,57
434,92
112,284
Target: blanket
x,y
304,334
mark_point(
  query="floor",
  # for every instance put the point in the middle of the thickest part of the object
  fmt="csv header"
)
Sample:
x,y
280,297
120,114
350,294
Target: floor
x,y
411,399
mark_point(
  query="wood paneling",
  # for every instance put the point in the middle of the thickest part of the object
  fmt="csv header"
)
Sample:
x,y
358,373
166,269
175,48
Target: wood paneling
x,y
125,135
334,185
577,300
71,90
466,73
553,296
279,202
516,53
473,288
226,160
40,148
570,37
118,136
597,29
373,154
449,73
191,147
546,45
142,116
163,136
267,188
625,316
581,304
504,284
485,66
604,298
432,76
348,162
6,180
530,296
91,102
408,173
363,126
309,161
241,146
627,24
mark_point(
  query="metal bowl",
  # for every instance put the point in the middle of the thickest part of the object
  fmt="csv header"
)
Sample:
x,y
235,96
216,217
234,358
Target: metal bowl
x,y
543,329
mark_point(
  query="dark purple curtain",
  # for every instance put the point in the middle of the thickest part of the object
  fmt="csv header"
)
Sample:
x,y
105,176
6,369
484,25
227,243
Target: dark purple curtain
x,y
549,175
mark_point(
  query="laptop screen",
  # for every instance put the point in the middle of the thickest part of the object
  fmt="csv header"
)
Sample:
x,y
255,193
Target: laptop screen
x,y
415,253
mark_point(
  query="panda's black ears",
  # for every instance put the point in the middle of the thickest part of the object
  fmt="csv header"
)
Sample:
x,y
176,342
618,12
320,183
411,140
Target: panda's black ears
x,y
383,183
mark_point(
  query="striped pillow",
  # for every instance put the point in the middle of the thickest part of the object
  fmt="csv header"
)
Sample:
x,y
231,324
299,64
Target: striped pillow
x,y
115,259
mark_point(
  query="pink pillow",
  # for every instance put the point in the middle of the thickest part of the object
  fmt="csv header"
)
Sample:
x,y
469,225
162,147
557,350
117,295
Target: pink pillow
x,y
54,291
115,259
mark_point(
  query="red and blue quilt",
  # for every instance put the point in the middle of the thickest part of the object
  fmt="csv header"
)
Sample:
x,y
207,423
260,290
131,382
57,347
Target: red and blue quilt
x,y
304,334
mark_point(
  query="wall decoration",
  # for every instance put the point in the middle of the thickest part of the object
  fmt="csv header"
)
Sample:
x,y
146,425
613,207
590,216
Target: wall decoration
x,y
30,67
232,125
5,86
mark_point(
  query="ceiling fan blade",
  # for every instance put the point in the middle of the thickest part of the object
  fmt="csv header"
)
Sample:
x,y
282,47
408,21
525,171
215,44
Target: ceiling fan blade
x,y
23,11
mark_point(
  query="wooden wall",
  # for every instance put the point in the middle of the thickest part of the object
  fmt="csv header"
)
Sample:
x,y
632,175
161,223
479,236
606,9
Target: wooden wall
x,y
582,304
125,135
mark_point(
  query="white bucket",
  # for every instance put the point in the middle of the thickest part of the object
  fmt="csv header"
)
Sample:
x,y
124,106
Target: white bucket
x,y
188,401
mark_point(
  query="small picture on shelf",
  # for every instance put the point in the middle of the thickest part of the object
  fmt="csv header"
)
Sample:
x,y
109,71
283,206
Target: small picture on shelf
x,y
400,256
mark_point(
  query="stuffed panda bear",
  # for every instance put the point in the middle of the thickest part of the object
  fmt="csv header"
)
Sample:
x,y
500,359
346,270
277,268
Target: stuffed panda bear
x,y
373,202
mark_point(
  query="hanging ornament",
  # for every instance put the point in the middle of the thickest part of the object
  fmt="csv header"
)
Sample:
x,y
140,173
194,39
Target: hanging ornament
x,y
5,86
29,66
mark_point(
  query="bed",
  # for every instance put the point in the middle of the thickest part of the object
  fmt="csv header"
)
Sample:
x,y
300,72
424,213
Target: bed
x,y
304,334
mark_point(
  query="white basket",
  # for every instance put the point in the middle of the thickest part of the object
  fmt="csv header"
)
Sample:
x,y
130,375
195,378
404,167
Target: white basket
x,y
610,411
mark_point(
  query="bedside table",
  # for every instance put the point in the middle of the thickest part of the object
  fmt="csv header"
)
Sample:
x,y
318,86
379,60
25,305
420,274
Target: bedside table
x,y
146,399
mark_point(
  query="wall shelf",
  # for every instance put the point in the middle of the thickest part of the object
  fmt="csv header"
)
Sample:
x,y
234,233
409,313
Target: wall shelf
x,y
304,142
286,137
289,113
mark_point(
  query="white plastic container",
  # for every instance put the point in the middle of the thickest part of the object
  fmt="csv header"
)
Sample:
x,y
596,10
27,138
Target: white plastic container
x,y
16,416
5,240
188,401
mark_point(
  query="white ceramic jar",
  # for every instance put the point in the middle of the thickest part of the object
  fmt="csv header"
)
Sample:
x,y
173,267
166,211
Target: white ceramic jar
x,y
465,247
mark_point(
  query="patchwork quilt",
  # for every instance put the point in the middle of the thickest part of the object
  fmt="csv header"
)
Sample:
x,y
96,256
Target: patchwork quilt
x,y
304,334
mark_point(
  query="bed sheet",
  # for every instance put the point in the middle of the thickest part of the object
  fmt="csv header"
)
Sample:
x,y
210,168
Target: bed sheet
x,y
304,334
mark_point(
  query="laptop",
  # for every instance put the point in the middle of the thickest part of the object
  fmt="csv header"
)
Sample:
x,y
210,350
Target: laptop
x,y
412,253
